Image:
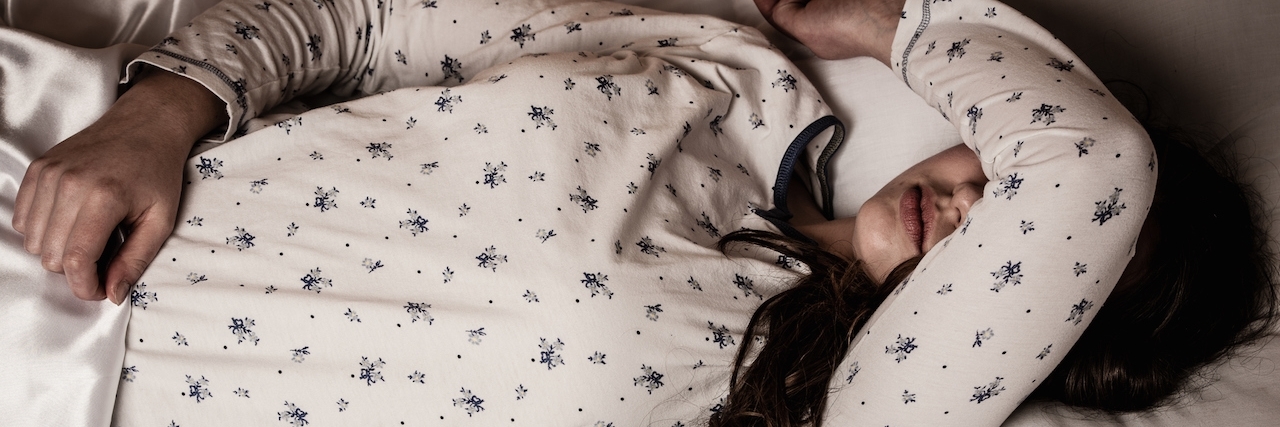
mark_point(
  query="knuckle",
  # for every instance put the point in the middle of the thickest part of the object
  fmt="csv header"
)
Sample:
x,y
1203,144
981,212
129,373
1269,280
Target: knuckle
x,y
83,292
31,245
77,260
38,166
47,170
132,268
91,185
108,189
51,263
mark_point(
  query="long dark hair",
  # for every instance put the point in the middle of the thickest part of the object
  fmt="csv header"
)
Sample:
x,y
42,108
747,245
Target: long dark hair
x,y
808,329
1206,288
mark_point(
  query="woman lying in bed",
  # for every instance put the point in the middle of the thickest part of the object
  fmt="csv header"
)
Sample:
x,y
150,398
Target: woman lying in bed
x,y
523,223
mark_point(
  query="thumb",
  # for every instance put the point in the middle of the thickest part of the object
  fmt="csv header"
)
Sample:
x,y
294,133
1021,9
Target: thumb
x,y
782,14
766,7
139,249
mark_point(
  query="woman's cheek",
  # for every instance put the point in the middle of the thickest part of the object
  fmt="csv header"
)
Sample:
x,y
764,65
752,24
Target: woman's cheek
x,y
874,242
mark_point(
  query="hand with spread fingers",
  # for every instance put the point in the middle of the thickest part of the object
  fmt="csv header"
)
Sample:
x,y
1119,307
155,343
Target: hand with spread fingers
x,y
123,170
837,29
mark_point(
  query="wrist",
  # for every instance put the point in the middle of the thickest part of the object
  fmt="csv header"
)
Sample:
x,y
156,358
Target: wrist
x,y
878,28
178,108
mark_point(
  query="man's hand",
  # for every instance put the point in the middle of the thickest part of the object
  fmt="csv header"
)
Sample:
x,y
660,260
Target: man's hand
x,y
125,169
837,29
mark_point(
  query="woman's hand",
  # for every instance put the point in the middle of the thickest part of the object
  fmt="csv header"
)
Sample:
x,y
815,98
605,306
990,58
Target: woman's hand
x,y
837,29
125,169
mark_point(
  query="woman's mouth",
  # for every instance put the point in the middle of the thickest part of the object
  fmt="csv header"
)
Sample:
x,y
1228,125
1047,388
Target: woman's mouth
x,y
912,218
928,217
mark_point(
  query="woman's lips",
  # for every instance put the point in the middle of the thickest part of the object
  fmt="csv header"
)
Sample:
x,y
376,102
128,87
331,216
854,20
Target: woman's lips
x,y
910,213
928,217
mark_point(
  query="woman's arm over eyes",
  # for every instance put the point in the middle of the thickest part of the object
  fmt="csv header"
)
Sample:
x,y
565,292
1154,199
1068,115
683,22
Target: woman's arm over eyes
x,y
989,313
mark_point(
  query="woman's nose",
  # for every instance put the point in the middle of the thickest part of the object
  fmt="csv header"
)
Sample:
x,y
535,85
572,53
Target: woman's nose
x,y
963,196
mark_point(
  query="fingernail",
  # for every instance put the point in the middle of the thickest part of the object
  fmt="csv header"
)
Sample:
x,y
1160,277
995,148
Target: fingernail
x,y
122,291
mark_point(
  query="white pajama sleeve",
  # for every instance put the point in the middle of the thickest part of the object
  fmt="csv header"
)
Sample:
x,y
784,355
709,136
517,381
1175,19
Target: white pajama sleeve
x,y
990,311
256,54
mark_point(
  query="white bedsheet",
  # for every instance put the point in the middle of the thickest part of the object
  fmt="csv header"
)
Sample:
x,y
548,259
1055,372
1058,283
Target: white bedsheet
x,y
1209,65
61,355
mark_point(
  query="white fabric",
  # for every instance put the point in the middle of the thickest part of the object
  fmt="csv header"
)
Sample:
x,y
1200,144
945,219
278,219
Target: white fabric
x,y
512,235
1007,294
1188,53
61,354
1073,189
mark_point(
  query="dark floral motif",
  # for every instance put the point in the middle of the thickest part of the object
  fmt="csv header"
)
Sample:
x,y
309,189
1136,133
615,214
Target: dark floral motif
x,y
901,348
447,101
415,224
595,282
853,371
469,402
326,199
248,32
973,114
241,240
745,284
541,117
379,149
240,328
957,50
452,68
1007,187
1078,310
493,174
522,34
1084,145
313,281
1046,113
1008,274
649,379
606,86
719,334
647,247
786,81
549,353
984,392
371,370
1061,66
419,311
490,259
583,200
139,296
198,389
208,168
982,336
707,226
1109,208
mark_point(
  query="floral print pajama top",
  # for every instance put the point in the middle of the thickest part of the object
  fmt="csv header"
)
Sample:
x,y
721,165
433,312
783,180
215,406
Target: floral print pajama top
x,y
517,224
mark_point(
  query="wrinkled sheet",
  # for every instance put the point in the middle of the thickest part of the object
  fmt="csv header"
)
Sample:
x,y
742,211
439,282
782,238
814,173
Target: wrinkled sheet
x,y
61,355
